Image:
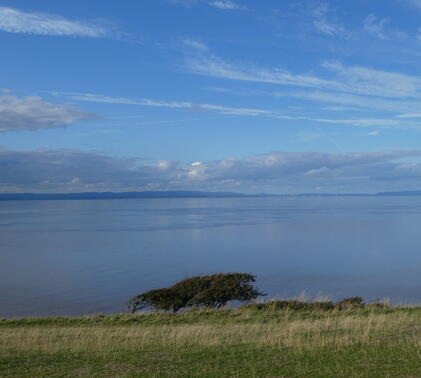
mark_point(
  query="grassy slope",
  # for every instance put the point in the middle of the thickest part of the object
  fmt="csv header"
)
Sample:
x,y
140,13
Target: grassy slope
x,y
370,342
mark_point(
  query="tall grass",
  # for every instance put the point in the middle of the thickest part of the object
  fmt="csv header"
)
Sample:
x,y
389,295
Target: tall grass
x,y
302,334
318,342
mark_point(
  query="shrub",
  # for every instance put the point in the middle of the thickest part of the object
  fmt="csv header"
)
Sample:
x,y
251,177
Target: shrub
x,y
212,291
291,304
348,303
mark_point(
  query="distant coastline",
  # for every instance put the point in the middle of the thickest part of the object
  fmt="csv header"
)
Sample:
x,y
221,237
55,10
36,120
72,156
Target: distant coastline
x,y
180,194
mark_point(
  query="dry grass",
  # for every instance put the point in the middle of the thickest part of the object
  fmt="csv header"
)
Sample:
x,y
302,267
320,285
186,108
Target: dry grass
x,y
334,331
360,343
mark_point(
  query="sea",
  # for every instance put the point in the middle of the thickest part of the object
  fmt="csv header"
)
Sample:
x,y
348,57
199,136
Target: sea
x,y
80,257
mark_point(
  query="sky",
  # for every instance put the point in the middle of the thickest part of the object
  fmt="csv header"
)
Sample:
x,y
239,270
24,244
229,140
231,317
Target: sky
x,y
248,96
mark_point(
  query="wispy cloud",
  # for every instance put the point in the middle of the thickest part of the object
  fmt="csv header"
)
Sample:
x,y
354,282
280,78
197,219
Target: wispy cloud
x,y
410,115
225,4
375,25
413,3
319,9
238,111
348,79
32,113
211,65
220,4
368,81
276,172
190,106
320,14
363,122
17,21
325,27
352,102
195,44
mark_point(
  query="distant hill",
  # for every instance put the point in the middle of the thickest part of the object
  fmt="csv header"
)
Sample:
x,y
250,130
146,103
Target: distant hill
x,y
405,193
180,194
380,194
113,195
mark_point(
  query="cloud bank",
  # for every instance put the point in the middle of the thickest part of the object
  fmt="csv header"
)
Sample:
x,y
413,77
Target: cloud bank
x,y
276,172
32,113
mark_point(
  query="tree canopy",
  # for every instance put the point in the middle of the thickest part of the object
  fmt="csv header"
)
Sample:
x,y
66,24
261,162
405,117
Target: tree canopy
x,y
211,291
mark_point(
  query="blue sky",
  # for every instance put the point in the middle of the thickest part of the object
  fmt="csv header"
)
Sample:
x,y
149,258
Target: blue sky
x,y
251,96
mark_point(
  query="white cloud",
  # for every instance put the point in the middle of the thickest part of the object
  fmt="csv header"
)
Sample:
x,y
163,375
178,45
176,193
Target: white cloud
x,y
323,24
319,12
16,21
325,27
31,113
190,106
251,112
374,25
277,172
213,66
348,79
306,170
409,115
90,97
362,122
368,81
221,4
418,35
414,3
225,4
352,102
195,44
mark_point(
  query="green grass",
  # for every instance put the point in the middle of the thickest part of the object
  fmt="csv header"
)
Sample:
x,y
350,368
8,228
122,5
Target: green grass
x,y
270,340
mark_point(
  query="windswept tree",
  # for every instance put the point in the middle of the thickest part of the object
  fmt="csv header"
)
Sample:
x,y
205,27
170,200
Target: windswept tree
x,y
160,299
211,291
224,288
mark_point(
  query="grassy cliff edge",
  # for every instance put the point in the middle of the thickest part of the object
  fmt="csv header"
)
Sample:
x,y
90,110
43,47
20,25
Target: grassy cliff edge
x,y
271,339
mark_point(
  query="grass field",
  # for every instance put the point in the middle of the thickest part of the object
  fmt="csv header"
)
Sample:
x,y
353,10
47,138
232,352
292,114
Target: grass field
x,y
253,341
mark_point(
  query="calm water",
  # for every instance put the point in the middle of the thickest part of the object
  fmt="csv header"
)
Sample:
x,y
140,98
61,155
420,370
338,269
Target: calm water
x,y
80,257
